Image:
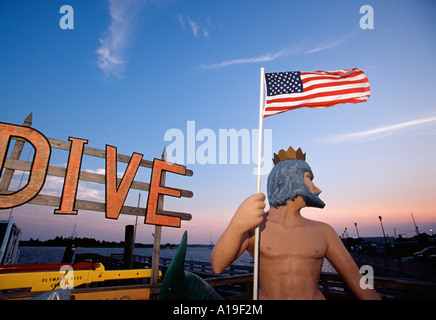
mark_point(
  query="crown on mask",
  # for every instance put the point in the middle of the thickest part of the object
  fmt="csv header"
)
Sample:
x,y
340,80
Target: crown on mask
x,y
290,154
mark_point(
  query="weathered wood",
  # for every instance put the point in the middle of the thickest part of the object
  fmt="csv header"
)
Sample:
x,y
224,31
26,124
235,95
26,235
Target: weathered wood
x,y
156,254
157,234
128,246
53,201
83,176
65,145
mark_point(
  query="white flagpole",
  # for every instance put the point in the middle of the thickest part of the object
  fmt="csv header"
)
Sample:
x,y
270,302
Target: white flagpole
x,y
259,166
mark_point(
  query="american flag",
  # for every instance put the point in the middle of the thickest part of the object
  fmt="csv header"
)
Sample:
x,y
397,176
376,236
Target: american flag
x,y
296,89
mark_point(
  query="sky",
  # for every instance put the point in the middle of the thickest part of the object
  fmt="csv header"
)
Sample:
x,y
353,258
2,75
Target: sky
x,y
142,75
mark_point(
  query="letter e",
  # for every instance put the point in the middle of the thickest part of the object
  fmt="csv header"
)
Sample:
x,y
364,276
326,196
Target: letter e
x,y
152,215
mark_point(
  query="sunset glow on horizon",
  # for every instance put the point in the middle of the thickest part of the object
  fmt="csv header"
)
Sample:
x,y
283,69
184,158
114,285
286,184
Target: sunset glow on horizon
x,y
143,76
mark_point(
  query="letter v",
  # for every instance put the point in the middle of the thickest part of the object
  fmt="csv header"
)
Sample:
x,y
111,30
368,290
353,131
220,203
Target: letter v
x,y
116,196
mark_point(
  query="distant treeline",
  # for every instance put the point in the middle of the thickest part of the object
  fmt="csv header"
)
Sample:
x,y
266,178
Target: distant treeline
x,y
81,242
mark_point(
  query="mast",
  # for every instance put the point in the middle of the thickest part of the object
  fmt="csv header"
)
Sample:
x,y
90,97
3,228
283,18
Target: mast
x,y
416,227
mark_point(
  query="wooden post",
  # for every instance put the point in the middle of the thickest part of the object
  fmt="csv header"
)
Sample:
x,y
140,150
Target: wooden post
x,y
15,155
128,246
158,233
69,251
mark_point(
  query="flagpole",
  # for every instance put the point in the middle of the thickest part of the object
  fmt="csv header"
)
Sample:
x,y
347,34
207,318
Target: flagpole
x,y
259,166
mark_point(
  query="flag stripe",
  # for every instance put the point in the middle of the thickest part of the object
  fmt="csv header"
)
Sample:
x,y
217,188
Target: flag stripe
x,y
358,83
319,89
323,91
307,82
323,101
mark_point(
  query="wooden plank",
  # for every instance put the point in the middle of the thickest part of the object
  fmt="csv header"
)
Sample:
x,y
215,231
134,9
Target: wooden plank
x,y
156,254
158,233
65,145
53,201
83,176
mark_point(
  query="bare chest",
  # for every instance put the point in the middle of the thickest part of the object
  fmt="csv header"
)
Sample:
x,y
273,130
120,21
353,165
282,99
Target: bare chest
x,y
303,242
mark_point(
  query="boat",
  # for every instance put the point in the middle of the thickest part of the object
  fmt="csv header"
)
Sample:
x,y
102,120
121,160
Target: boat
x,y
26,281
9,239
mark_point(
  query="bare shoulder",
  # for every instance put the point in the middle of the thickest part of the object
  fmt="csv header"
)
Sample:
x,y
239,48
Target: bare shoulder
x,y
318,224
323,228
328,230
333,239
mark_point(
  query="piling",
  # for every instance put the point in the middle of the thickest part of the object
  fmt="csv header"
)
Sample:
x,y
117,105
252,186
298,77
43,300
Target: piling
x,y
128,246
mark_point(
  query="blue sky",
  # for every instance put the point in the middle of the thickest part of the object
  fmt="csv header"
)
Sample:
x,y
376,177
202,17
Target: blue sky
x,y
130,71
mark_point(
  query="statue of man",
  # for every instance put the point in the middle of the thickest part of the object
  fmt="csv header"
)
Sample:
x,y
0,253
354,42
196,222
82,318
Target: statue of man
x,y
291,247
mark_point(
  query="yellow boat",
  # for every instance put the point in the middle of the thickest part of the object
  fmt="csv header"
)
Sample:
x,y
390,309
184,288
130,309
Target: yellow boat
x,y
26,281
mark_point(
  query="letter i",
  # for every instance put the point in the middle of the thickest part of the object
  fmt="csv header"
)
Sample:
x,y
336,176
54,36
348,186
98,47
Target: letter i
x,y
72,177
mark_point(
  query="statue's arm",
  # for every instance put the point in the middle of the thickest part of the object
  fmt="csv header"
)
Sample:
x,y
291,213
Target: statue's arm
x,y
344,264
236,238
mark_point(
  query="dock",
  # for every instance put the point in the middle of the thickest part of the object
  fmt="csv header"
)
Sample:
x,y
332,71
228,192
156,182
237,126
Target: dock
x,y
236,282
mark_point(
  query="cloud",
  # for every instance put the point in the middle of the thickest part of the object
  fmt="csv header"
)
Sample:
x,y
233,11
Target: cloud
x,y
111,53
194,27
329,44
198,28
53,186
182,21
279,54
102,171
97,171
87,191
380,132
263,58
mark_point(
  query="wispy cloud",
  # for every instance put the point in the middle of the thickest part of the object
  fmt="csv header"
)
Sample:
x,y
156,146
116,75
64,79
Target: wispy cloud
x,y
194,27
112,51
380,132
198,28
263,58
271,56
97,171
332,43
87,191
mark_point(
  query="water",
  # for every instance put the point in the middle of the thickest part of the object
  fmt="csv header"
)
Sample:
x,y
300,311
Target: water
x,y
54,254
29,255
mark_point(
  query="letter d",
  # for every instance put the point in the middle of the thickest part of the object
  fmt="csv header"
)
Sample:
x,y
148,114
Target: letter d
x,y
38,171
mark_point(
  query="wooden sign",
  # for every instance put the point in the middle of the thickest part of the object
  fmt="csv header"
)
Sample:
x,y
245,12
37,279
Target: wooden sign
x,y
116,188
